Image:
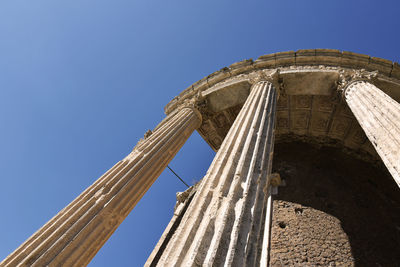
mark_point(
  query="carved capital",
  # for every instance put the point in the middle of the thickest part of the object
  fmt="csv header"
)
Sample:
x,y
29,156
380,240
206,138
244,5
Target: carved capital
x,y
348,77
264,75
271,76
193,101
194,104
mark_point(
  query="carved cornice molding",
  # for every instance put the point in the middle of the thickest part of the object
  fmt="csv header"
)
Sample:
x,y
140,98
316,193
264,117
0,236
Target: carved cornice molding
x,y
324,59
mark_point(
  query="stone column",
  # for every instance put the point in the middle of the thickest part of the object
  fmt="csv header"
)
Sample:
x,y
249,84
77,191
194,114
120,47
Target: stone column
x,y
223,224
379,116
77,232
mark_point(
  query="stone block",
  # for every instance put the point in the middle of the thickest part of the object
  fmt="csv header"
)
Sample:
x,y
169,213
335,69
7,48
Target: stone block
x,y
241,67
383,66
228,95
354,60
283,102
299,121
320,123
275,179
201,85
218,76
323,103
340,127
265,61
396,71
282,122
330,57
186,91
285,59
171,105
309,82
305,57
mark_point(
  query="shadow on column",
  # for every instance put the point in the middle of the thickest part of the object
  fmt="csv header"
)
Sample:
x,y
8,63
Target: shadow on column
x,y
334,210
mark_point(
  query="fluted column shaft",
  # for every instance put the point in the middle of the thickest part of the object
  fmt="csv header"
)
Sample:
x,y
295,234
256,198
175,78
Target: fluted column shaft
x,y
379,116
77,232
223,224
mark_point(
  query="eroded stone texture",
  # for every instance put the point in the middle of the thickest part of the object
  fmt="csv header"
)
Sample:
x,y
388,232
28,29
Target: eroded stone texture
x,y
77,232
334,210
379,116
223,223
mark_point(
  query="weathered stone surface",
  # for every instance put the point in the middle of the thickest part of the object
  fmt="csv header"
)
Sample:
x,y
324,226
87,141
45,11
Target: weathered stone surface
x,y
230,95
309,82
285,58
266,61
330,57
379,117
218,76
223,224
311,110
334,210
396,71
382,65
241,67
354,60
305,57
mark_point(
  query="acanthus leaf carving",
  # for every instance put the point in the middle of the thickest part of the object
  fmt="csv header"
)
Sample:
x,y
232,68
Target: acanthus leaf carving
x,y
347,77
272,76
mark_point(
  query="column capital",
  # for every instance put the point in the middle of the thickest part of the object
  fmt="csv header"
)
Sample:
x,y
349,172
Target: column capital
x,y
272,76
195,104
348,77
190,104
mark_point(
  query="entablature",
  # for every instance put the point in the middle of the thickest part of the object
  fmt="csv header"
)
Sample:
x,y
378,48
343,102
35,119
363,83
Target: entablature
x,y
310,106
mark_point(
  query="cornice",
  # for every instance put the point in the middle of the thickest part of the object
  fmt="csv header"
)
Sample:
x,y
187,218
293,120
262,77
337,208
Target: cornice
x,y
281,61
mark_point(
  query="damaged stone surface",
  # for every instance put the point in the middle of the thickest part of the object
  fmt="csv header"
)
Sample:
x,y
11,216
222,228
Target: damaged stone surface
x,y
181,197
334,210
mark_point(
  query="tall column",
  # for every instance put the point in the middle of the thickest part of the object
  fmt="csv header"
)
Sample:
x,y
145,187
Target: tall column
x,y
379,116
77,232
223,224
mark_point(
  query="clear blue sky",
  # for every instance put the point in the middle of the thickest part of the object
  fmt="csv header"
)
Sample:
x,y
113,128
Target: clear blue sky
x,y
82,81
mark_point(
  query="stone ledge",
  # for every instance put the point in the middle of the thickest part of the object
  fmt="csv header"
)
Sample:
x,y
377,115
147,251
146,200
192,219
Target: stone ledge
x,y
303,57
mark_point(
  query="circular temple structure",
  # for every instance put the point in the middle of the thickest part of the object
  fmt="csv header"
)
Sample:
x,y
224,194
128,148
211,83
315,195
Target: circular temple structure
x,y
310,107
337,204
306,171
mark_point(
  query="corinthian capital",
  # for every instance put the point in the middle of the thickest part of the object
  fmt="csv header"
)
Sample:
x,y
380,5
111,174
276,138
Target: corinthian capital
x,y
347,77
271,76
194,104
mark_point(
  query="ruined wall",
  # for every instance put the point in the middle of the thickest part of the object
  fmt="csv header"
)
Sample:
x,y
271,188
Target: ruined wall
x,y
335,210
